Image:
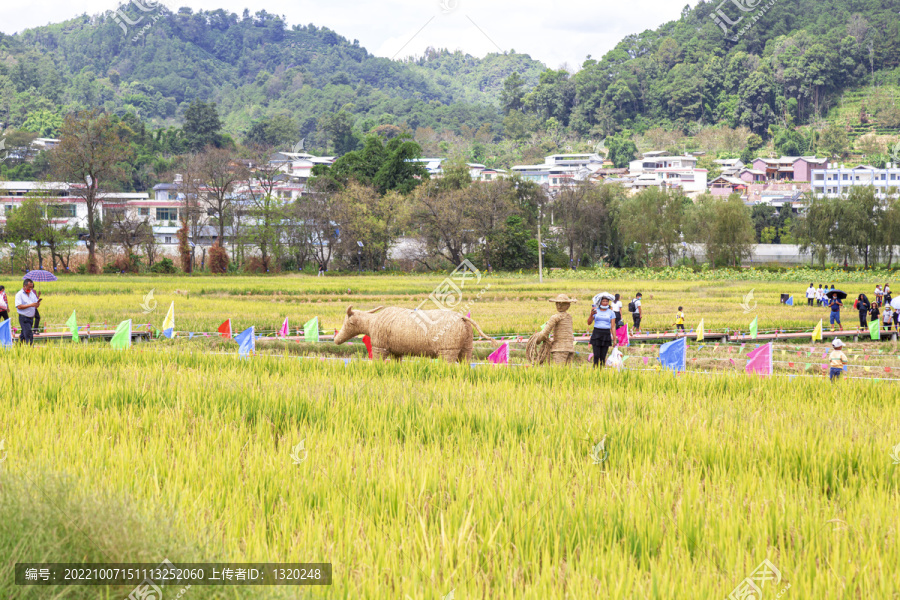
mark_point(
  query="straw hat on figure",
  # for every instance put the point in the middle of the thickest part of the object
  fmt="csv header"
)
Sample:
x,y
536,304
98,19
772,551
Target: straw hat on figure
x,y
557,338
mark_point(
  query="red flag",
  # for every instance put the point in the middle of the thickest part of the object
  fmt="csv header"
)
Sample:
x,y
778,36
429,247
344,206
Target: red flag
x,y
225,329
368,342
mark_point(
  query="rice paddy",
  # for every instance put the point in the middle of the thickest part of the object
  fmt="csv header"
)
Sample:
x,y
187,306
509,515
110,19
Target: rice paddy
x,y
427,480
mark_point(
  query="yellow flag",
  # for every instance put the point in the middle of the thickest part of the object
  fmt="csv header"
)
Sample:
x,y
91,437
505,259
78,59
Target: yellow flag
x,y
169,322
700,331
817,332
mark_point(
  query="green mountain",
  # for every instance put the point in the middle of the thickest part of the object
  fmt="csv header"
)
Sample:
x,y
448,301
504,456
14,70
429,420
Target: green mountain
x,y
251,66
783,64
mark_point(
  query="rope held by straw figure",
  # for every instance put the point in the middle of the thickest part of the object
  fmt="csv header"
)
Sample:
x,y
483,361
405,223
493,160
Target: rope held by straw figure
x,y
537,350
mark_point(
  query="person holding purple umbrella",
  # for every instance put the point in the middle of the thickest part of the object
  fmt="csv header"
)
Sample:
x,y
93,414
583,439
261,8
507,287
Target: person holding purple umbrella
x,y
26,305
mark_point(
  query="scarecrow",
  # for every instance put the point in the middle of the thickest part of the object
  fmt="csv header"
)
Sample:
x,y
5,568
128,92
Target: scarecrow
x,y
556,338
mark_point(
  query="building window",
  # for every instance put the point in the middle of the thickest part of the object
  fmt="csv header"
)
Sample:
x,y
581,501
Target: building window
x,y
62,211
166,214
144,212
168,239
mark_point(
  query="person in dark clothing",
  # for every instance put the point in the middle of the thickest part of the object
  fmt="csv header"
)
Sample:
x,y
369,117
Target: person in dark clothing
x,y
863,306
603,319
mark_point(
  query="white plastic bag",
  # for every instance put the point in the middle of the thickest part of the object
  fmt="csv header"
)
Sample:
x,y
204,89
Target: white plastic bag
x,y
615,359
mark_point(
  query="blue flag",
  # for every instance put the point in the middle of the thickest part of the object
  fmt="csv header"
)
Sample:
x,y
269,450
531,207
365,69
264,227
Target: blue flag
x,y
790,301
246,342
5,333
673,355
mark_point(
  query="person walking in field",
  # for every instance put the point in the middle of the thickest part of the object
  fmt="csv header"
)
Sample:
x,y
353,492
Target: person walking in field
x,y
879,295
810,294
820,295
887,318
617,309
602,338
4,304
835,317
634,307
27,303
837,360
887,293
862,305
679,321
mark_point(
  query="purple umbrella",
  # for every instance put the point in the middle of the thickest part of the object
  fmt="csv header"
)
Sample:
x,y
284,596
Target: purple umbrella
x,y
39,275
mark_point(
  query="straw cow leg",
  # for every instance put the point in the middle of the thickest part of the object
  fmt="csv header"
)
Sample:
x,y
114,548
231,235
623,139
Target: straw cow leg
x,y
380,354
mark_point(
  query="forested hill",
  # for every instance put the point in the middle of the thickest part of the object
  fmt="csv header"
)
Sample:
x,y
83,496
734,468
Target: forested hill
x,y
790,68
252,66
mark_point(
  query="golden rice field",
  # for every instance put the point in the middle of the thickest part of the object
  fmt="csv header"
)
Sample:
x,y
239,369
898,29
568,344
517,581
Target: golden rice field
x,y
434,481
499,304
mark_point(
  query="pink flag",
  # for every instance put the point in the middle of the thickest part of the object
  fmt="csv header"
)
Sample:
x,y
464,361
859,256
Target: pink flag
x,y
622,335
760,360
646,360
469,315
284,329
500,356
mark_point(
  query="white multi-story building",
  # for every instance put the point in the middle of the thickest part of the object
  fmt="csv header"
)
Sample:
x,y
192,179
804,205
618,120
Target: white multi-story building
x,y
836,180
657,170
64,205
559,170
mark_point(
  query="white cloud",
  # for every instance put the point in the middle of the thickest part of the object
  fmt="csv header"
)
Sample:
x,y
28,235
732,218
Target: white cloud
x,y
552,31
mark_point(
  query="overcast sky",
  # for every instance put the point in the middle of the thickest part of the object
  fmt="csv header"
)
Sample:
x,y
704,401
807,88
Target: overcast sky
x,y
551,31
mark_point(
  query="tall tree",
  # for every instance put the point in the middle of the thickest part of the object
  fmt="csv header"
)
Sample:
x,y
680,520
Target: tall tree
x,y
218,173
90,155
202,125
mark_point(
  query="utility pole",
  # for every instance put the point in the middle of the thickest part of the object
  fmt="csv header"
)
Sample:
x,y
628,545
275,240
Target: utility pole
x,y
359,256
540,249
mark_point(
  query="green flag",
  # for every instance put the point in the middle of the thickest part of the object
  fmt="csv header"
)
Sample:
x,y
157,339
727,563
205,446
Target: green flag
x,y
72,324
875,329
311,330
122,338
753,328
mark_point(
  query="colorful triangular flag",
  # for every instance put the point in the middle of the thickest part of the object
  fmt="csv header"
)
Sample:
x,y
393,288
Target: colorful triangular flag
x,y
6,333
817,332
72,324
285,330
311,330
246,341
875,330
673,355
225,329
760,360
121,340
169,322
500,356
754,327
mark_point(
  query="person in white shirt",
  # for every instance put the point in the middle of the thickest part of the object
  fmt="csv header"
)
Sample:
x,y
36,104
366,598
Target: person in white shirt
x,y
820,295
26,304
810,294
636,314
617,308
879,295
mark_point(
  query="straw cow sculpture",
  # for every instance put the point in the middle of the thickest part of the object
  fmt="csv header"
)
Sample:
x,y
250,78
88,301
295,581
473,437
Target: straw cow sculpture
x,y
399,332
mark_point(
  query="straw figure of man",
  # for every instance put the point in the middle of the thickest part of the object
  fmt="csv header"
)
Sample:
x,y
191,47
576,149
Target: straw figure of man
x,y
557,338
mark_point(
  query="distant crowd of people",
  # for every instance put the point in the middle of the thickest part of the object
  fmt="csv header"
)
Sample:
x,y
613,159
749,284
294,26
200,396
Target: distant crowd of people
x,y
880,309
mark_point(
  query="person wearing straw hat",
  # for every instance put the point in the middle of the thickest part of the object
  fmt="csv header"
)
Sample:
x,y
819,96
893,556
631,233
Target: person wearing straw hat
x,y
837,360
561,327
603,319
